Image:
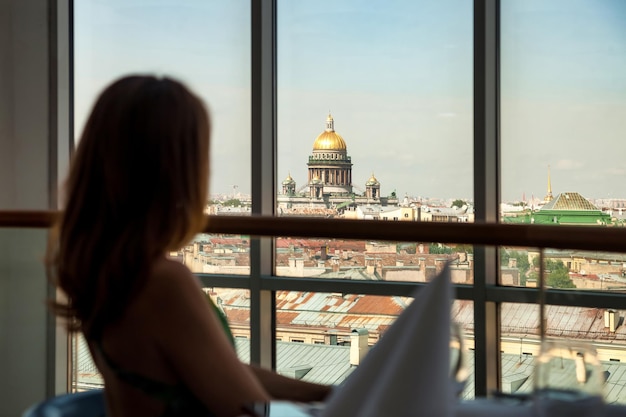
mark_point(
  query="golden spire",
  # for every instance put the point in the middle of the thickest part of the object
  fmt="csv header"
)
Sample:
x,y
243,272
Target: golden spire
x,y
549,196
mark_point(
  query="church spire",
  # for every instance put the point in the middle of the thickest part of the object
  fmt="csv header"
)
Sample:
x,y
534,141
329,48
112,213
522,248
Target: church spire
x,y
549,196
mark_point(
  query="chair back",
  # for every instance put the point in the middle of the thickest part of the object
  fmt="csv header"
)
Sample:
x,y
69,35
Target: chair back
x,y
80,404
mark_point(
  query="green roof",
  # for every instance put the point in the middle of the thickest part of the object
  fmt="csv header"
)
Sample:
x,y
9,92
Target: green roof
x,y
570,208
569,201
566,208
344,204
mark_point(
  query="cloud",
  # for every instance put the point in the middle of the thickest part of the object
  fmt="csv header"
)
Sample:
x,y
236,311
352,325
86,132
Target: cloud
x,y
616,171
568,164
449,114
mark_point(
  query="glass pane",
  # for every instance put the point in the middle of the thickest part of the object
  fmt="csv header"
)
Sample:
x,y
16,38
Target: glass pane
x,y
600,327
563,96
331,333
374,98
204,44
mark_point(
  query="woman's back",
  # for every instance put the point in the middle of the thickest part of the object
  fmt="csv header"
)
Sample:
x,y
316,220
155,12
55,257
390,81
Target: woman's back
x,y
130,345
154,341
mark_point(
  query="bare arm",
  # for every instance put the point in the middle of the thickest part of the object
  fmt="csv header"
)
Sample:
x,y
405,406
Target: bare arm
x,y
193,341
284,388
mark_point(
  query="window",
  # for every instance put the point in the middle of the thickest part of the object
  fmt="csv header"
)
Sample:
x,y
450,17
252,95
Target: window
x,y
403,100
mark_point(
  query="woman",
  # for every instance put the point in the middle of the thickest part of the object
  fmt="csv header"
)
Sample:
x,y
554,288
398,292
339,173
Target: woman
x,y
136,190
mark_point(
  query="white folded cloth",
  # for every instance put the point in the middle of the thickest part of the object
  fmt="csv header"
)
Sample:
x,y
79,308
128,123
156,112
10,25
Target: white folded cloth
x,y
407,373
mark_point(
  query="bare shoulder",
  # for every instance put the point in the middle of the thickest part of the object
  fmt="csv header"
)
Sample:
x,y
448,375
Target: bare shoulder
x,y
171,280
166,268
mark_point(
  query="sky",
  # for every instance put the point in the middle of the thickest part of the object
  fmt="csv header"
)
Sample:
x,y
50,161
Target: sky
x,y
397,77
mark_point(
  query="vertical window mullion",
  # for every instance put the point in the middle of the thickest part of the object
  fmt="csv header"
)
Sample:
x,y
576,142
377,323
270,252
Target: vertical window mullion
x,y
61,133
263,92
486,190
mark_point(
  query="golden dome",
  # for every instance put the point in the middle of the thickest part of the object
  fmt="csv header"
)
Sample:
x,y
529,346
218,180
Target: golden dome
x,y
316,180
289,180
372,181
329,140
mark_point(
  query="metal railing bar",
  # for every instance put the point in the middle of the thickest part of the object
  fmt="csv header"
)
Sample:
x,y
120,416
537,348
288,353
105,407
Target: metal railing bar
x,y
498,294
611,239
607,239
224,281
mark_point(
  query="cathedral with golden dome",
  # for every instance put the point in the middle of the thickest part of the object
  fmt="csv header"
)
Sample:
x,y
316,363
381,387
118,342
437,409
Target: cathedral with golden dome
x,y
330,167
329,188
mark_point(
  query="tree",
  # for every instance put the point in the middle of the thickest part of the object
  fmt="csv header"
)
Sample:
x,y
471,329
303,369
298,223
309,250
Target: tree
x,y
521,258
558,275
458,203
439,249
234,202
559,279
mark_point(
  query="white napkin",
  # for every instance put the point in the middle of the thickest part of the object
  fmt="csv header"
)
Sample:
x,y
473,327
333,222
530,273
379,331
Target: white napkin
x,y
407,373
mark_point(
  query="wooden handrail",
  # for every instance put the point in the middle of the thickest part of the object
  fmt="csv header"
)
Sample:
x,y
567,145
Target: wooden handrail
x,y
38,219
609,239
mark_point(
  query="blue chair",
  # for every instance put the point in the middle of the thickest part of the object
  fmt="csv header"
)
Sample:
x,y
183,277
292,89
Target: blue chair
x,y
80,404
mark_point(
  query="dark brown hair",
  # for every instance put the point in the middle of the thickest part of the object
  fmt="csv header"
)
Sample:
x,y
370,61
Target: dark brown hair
x,y
137,189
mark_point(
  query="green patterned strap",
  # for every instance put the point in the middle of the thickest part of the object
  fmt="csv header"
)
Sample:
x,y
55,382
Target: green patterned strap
x,y
222,318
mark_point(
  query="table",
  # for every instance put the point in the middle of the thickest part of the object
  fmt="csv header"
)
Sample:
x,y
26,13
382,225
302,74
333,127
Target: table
x,y
481,407
484,407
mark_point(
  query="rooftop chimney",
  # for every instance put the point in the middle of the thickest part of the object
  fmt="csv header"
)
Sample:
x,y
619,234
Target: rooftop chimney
x,y
358,346
611,320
